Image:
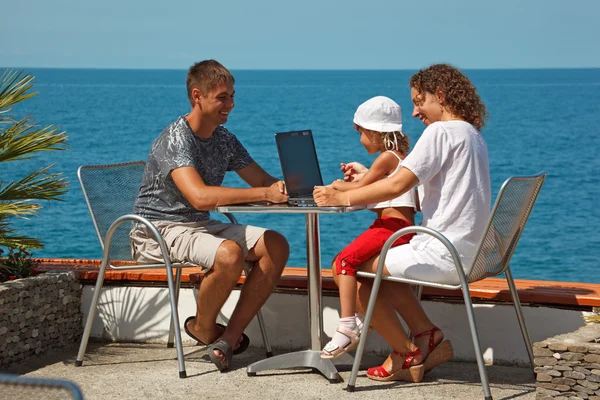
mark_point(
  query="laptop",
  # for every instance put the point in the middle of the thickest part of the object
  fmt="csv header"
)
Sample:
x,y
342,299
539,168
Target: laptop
x,y
300,166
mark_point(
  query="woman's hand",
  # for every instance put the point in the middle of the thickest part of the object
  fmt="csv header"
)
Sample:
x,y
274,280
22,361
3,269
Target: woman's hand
x,y
353,171
327,196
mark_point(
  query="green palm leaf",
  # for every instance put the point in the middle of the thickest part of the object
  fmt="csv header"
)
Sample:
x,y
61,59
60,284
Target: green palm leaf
x,y
20,139
19,209
39,185
13,89
9,238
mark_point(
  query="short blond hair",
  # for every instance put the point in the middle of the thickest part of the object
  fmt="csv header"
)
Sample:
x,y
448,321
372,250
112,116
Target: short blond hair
x,y
205,76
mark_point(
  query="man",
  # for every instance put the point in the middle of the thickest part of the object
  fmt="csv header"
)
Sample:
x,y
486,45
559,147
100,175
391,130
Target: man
x,y
182,182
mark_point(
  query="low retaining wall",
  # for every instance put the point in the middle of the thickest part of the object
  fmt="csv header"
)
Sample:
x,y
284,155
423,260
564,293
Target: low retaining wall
x,y
39,314
141,314
568,366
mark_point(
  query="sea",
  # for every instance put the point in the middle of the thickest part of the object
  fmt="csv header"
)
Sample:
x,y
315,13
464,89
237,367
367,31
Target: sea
x,y
540,120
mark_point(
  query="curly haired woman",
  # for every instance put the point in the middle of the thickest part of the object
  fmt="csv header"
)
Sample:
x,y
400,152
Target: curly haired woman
x,y
450,165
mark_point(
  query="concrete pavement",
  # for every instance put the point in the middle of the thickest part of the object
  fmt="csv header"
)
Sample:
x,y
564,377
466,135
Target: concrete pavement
x,y
149,371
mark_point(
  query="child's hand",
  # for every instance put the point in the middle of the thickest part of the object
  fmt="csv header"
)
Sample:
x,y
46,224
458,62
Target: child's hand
x,y
334,183
353,171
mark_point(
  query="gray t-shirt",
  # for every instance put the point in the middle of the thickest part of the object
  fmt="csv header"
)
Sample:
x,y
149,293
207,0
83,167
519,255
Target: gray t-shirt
x,y
178,146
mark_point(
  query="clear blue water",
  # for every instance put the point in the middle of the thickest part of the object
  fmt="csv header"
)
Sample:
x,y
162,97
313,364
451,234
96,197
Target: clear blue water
x,y
539,120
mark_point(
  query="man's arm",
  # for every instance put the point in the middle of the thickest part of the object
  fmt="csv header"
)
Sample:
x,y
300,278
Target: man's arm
x,y
204,197
255,176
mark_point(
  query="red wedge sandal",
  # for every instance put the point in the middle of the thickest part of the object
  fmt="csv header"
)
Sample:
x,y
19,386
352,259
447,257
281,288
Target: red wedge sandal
x,y
438,354
408,373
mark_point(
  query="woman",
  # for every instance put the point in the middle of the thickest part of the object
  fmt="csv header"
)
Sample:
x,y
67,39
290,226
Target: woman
x,y
450,164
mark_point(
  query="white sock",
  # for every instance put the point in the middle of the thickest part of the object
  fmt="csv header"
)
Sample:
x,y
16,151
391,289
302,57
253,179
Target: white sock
x,y
360,319
340,339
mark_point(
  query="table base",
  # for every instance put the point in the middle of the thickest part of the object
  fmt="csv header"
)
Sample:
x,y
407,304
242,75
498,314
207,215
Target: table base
x,y
298,359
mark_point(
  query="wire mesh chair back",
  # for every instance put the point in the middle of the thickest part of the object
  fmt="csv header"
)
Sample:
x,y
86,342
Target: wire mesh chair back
x,y
509,216
110,192
23,387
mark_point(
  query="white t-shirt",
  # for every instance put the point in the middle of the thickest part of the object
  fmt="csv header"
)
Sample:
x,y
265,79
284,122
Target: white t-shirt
x,y
404,200
451,162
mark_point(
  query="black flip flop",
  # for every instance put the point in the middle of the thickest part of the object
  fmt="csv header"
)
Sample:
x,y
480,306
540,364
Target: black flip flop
x,y
225,349
243,345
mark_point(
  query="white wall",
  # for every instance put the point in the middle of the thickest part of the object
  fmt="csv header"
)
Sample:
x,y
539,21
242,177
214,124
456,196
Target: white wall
x,y
142,314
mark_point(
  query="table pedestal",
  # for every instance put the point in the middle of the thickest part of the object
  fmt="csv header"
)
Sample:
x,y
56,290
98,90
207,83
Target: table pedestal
x,y
307,358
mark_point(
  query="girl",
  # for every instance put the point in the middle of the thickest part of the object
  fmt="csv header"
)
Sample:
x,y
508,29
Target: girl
x,y
379,122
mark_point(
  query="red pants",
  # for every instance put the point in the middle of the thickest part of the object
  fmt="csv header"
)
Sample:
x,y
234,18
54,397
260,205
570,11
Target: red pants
x,y
370,243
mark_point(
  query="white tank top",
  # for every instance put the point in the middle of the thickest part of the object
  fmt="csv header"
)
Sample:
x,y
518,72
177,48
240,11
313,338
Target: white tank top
x,y
405,200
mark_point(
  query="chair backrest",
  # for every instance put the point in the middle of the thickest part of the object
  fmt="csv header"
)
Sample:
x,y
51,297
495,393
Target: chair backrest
x,y
507,221
110,192
24,387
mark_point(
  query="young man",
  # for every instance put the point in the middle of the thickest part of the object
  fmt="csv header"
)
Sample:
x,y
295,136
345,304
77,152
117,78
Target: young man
x,y
182,182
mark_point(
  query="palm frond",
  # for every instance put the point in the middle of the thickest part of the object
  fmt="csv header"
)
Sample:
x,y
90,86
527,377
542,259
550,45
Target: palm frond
x,y
22,139
19,209
38,185
9,238
14,87
17,242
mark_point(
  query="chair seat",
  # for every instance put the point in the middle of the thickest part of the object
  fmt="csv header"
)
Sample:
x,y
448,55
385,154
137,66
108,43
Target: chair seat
x,y
409,281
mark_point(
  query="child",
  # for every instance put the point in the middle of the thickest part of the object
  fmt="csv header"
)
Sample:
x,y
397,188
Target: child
x,y
379,122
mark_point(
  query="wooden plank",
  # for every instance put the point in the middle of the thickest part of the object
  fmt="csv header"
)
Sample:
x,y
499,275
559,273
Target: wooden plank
x,y
492,289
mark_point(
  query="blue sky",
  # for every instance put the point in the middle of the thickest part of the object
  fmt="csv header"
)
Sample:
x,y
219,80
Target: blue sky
x,y
304,34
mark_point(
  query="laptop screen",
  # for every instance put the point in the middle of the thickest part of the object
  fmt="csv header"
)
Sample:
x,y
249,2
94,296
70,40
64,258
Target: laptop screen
x,y
299,162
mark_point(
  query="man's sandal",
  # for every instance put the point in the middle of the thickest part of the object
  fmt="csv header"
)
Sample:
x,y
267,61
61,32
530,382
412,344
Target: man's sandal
x,y
331,350
438,354
408,373
225,349
242,346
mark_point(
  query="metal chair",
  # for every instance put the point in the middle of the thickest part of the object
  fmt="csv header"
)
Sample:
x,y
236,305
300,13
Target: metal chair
x,y
508,218
110,192
27,387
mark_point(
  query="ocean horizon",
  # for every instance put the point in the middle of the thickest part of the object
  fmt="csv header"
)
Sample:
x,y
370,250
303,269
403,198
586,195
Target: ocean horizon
x,y
540,120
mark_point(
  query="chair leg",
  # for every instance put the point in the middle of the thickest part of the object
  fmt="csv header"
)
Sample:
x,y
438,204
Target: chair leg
x,y
363,337
91,312
170,343
175,319
261,323
477,346
519,311
263,331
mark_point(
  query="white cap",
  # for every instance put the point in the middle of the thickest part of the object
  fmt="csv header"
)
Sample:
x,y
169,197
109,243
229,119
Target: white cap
x,y
380,114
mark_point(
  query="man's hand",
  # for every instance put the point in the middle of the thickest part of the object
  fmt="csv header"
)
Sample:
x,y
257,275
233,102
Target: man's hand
x,y
281,186
328,196
353,171
276,193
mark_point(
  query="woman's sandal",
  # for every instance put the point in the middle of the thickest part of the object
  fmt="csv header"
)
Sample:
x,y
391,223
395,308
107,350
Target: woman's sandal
x,y
225,349
437,354
331,350
408,373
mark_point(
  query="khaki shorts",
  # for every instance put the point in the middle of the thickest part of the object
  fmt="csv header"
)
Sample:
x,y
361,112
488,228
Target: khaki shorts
x,y
191,242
